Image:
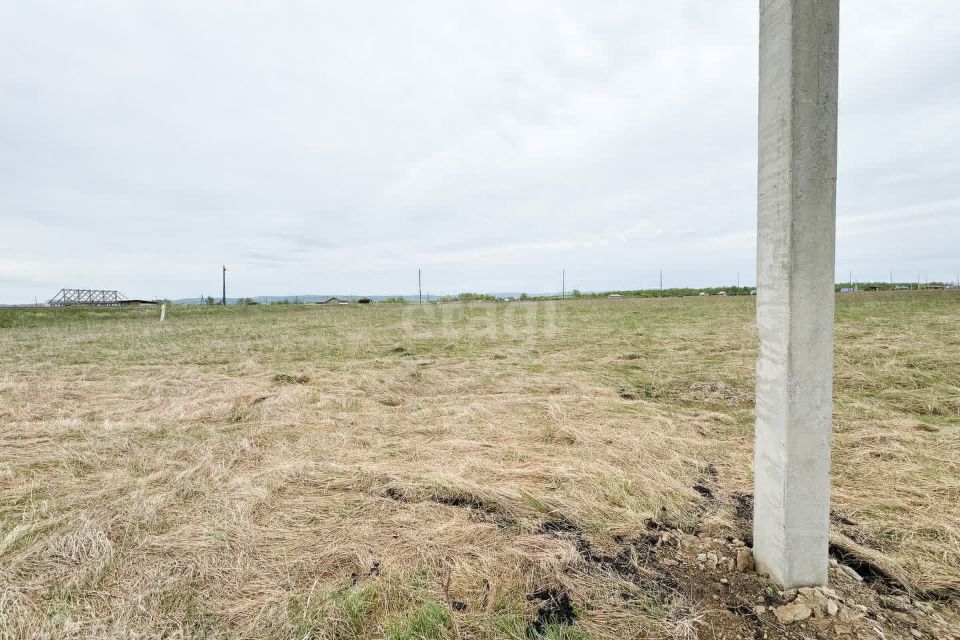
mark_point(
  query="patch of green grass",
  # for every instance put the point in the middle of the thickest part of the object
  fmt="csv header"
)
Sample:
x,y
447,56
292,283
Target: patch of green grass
x,y
341,613
561,632
429,621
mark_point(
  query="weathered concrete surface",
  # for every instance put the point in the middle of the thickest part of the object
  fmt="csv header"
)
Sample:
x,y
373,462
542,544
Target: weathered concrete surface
x,y
795,274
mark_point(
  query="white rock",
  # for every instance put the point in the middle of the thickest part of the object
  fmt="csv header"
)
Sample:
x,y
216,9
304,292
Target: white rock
x,y
850,572
790,613
830,593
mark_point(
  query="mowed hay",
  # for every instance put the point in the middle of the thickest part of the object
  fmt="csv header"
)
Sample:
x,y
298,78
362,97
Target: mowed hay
x,y
411,471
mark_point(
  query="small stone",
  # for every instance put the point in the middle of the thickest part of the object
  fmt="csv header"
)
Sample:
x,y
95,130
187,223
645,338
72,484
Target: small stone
x,y
849,615
813,599
879,633
790,613
724,581
759,609
712,560
894,603
850,572
744,559
731,563
916,633
830,593
833,562
832,608
701,557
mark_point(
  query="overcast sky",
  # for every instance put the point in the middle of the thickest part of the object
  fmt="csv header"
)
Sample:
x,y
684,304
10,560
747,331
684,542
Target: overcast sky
x,y
335,147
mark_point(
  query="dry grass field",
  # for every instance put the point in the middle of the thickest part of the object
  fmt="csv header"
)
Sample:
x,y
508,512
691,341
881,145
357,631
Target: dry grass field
x,y
475,471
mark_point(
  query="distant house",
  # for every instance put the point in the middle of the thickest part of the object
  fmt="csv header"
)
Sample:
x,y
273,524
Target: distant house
x,y
332,300
721,293
615,296
847,290
753,292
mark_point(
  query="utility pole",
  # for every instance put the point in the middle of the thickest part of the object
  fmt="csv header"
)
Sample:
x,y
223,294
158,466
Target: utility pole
x,y
419,287
738,284
563,284
661,283
796,242
224,300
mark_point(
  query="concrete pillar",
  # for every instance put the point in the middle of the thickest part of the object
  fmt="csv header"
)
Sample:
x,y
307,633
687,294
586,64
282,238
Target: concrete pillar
x,y
796,207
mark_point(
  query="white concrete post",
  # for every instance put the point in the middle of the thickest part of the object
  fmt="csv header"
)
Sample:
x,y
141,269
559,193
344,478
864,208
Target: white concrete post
x,y
796,207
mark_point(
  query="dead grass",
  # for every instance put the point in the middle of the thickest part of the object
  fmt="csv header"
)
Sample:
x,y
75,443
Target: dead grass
x,y
422,472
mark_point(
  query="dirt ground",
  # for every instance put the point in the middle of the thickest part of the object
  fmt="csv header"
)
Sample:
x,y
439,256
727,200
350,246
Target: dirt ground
x,y
565,470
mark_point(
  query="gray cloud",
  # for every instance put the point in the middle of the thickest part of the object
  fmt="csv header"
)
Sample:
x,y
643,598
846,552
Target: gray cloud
x,y
340,146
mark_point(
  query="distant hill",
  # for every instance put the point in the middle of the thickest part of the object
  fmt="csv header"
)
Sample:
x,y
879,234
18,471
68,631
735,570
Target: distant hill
x,y
302,298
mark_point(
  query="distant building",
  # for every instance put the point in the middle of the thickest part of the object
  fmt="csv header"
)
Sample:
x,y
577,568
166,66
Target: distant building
x,y
332,300
721,293
137,303
847,290
615,296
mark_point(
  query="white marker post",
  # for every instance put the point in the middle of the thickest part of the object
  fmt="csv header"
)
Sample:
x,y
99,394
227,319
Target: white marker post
x,y
795,292
163,312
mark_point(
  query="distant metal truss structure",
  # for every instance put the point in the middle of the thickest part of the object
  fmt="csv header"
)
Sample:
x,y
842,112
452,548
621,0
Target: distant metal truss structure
x,y
87,298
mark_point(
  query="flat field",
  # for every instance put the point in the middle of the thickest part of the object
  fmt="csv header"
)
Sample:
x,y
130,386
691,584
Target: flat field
x,y
444,471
